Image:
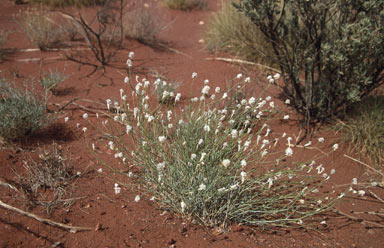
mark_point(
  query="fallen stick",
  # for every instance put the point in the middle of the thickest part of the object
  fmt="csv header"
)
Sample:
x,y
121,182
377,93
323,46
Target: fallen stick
x,y
90,110
72,229
375,196
239,61
38,59
8,185
68,103
362,221
370,167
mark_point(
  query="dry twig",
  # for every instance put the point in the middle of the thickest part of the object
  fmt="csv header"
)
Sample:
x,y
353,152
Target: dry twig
x,y
362,221
239,61
366,165
72,229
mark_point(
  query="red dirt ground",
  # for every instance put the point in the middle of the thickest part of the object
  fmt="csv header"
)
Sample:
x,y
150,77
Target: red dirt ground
x,y
121,221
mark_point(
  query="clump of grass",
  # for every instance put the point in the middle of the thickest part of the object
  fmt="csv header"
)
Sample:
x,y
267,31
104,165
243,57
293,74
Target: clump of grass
x,y
230,31
51,80
41,30
3,39
64,3
195,162
185,5
22,113
141,25
45,181
364,129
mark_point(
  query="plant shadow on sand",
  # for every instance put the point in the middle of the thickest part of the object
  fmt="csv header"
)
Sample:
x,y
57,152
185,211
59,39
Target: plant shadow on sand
x,y
56,132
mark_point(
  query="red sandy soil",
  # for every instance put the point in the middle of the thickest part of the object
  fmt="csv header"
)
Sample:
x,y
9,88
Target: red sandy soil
x,y
117,220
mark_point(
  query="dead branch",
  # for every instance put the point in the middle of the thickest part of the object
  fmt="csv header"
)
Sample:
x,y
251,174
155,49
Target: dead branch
x,y
239,61
376,196
72,229
362,221
366,165
68,103
8,185
90,110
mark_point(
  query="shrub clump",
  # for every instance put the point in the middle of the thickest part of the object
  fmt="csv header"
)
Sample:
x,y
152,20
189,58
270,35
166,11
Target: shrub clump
x,y
64,3
41,30
185,4
140,24
45,181
21,112
51,80
329,52
200,162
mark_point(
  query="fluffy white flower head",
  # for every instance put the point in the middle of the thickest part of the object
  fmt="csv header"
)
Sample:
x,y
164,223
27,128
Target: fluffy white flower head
x,y
226,163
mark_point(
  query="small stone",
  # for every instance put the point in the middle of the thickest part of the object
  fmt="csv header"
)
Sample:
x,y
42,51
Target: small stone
x,y
201,23
201,41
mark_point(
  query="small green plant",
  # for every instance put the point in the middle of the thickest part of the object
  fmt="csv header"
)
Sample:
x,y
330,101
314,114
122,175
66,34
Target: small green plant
x,y
363,129
141,25
45,182
196,162
230,31
41,30
51,80
21,112
329,52
185,4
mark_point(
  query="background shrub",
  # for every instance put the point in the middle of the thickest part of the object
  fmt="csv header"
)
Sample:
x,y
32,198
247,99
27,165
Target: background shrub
x,y
21,112
329,52
3,39
41,30
63,3
230,31
185,4
141,25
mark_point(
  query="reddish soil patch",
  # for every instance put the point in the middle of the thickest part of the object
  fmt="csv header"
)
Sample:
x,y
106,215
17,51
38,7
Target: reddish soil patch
x,y
117,220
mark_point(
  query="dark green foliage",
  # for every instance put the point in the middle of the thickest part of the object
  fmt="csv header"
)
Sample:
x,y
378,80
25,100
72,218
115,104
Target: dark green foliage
x,y
21,113
330,52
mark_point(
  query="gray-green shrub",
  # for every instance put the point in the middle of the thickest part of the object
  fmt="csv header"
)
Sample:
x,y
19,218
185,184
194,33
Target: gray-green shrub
x,y
330,52
49,81
196,162
41,30
21,112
